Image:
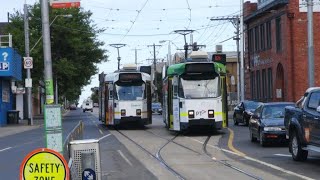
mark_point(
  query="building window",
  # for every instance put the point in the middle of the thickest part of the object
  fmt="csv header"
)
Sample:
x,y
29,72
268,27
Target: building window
x,y
270,86
256,38
264,84
278,34
268,35
262,37
251,41
258,80
252,86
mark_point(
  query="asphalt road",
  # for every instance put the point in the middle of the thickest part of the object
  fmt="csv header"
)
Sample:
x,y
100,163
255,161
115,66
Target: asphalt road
x,y
275,154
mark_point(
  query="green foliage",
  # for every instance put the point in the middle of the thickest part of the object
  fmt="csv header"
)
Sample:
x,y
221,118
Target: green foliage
x,y
74,47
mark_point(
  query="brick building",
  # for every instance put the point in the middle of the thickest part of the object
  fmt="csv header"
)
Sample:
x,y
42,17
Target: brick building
x,y
276,51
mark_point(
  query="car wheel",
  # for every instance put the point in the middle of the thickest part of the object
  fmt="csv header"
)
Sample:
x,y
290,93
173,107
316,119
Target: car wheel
x,y
252,138
91,110
235,122
262,142
298,154
84,111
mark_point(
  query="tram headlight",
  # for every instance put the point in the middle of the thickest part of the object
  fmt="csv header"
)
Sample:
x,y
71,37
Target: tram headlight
x,y
191,113
138,112
211,113
123,112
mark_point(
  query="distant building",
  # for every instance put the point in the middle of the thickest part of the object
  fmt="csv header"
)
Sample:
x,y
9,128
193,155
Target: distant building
x,y
276,51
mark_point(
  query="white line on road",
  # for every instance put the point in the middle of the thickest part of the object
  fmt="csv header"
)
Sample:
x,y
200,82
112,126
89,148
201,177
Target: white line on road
x,y
283,155
100,132
5,149
258,161
104,137
122,155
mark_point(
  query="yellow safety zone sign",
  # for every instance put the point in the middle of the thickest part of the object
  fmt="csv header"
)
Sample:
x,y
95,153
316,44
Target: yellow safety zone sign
x,y
44,164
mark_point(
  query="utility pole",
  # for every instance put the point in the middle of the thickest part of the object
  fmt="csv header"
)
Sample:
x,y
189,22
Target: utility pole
x,y
242,51
47,52
118,46
155,68
136,55
27,52
310,44
235,20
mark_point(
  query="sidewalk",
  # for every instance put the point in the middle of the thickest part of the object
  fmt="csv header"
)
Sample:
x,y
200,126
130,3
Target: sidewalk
x,y
23,126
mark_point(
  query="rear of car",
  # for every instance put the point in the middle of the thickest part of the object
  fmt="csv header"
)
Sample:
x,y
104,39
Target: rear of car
x,y
156,108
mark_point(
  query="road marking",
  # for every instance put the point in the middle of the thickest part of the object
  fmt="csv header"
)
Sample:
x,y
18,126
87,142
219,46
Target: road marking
x,y
283,155
230,144
258,161
126,159
104,137
5,149
100,132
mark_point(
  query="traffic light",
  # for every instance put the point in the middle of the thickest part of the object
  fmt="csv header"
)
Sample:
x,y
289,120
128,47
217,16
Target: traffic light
x,y
220,58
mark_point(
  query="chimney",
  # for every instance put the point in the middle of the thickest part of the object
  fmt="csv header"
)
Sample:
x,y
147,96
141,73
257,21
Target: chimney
x,y
249,8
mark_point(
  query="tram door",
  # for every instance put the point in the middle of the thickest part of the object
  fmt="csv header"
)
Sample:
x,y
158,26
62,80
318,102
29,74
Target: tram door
x,y
149,101
169,104
175,104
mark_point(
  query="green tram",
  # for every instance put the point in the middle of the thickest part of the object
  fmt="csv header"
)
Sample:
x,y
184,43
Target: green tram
x,y
195,94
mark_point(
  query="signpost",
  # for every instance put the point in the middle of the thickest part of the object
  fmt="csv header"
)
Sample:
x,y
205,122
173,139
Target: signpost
x,y
44,163
53,126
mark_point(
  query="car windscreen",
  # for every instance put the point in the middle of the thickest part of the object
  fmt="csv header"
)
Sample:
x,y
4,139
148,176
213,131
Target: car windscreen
x,y
251,105
156,106
274,111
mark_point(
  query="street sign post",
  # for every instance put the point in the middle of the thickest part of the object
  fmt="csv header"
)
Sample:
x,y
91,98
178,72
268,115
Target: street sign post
x,y
27,62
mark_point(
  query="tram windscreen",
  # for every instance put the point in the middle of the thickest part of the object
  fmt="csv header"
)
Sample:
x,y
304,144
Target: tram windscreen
x,y
130,91
190,88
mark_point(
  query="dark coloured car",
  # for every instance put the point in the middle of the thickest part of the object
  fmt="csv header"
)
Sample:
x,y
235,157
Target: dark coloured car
x,y
243,111
156,108
73,107
267,123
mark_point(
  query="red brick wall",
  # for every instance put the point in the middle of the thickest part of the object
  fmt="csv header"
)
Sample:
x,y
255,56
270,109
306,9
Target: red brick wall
x,y
294,54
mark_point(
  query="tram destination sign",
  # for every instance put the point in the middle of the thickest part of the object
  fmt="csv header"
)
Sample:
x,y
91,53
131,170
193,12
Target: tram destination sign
x,y
199,68
130,77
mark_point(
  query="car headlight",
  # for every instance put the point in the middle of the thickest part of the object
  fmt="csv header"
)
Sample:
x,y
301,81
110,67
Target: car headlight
x,y
272,129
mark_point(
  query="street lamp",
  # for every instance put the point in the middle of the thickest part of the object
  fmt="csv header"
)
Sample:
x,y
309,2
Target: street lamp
x,y
60,15
169,50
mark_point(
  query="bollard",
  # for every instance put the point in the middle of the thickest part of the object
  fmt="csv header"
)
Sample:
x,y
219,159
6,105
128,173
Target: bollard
x,y
88,166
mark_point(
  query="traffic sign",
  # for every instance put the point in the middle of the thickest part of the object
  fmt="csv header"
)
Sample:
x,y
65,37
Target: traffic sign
x,y
44,163
65,3
89,174
28,62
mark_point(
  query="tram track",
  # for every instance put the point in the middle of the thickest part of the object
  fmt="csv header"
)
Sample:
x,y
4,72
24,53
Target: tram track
x,y
156,156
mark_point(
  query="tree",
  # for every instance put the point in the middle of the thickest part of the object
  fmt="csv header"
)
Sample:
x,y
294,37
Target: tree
x,y
74,46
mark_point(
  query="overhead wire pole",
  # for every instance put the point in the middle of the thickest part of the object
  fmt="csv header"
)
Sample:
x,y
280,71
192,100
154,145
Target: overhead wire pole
x,y
136,55
242,51
235,20
118,46
310,44
27,52
155,69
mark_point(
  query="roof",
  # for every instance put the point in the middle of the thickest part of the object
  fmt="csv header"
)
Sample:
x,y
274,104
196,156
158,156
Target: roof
x,y
312,89
277,103
261,11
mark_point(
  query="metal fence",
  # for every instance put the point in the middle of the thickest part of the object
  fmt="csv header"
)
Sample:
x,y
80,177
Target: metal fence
x,y
75,134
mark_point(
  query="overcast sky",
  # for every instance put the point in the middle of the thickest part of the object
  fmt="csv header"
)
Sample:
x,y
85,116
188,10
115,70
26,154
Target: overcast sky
x,y
139,23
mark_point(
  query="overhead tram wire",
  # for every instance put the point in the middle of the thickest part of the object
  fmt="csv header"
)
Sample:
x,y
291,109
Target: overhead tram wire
x,y
139,11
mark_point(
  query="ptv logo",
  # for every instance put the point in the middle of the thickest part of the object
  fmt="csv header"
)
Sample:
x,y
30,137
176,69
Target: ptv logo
x,y
4,66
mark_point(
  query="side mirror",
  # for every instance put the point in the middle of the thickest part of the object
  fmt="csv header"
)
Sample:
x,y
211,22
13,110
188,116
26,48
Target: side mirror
x,y
318,109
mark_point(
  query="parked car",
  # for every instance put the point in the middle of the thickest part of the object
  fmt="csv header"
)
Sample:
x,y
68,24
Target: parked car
x,y
73,107
267,123
95,105
243,111
302,125
156,108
